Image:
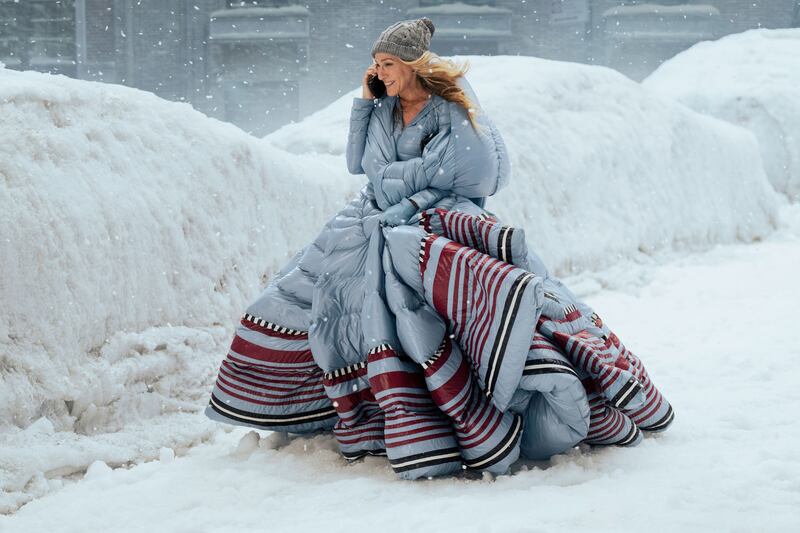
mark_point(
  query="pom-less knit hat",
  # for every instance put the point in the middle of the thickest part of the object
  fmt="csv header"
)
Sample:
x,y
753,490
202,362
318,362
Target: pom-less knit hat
x,y
407,39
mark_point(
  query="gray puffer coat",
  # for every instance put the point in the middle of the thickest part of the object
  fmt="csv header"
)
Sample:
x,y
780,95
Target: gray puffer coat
x,y
443,344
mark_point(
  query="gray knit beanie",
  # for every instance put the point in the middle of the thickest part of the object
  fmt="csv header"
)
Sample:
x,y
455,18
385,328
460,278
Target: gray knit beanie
x,y
407,39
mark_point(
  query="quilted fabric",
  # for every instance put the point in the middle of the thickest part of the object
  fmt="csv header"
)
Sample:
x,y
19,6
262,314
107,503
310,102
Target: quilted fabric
x,y
444,344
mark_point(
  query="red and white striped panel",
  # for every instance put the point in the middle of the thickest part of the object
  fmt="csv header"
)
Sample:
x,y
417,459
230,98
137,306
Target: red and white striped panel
x,y
607,424
656,414
269,380
491,307
359,430
487,437
419,439
603,360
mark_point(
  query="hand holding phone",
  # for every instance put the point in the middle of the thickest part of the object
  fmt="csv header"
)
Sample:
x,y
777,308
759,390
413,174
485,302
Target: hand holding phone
x,y
371,85
376,86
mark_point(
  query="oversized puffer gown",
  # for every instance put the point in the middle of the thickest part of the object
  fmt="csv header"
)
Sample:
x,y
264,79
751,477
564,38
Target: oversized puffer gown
x,y
443,344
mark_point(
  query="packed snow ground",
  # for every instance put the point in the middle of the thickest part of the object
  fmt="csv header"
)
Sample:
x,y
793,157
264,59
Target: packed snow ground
x,y
713,329
750,79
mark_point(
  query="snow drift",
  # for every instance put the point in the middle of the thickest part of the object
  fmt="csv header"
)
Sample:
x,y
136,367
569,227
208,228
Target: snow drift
x,y
134,231
120,212
751,79
602,168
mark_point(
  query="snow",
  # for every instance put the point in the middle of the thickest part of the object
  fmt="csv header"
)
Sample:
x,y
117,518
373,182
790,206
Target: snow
x,y
603,170
729,462
751,79
323,132
133,232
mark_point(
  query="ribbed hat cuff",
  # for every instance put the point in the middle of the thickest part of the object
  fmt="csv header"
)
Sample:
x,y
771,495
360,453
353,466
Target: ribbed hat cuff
x,y
406,53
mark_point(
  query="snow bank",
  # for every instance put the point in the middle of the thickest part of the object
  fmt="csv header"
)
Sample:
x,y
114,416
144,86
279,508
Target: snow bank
x,y
751,79
133,232
121,212
602,169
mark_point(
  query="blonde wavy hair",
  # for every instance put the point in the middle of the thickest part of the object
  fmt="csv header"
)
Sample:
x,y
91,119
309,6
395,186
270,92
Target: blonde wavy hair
x,y
439,76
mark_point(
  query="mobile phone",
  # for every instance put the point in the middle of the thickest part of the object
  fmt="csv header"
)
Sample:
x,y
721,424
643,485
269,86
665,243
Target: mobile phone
x,y
376,86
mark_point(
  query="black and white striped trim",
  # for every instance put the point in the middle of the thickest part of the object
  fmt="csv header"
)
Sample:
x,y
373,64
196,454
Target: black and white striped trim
x,y
355,456
551,296
355,367
548,366
425,459
662,424
380,348
501,451
626,393
568,309
630,438
504,244
274,327
351,369
264,420
422,243
436,355
424,218
507,319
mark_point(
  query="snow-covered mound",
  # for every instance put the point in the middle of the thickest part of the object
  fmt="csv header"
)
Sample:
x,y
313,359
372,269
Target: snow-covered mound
x,y
119,213
133,233
751,79
602,170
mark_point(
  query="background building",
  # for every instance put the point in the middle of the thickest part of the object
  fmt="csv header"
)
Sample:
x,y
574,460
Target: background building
x,y
263,63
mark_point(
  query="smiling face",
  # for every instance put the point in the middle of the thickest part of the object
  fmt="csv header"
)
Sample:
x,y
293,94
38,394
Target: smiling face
x,y
396,75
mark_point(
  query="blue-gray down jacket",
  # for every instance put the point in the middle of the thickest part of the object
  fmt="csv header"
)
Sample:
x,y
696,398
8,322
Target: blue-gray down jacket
x,y
442,344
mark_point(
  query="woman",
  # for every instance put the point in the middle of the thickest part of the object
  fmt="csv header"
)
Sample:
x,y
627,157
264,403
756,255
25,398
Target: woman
x,y
416,326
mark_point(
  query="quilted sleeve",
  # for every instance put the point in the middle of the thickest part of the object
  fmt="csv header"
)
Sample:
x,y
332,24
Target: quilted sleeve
x,y
357,137
480,164
426,198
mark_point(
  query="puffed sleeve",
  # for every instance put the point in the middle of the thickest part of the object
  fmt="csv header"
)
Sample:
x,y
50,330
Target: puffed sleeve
x,y
357,136
426,198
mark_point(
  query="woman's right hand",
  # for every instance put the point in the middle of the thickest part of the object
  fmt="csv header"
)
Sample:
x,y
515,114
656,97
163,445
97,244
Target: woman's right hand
x,y
365,92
